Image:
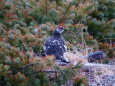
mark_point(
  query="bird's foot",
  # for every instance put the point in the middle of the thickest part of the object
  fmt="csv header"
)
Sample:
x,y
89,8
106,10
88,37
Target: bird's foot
x,y
63,60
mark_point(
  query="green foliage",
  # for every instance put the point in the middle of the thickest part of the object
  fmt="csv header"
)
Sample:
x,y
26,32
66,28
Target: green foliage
x,y
100,23
25,24
16,69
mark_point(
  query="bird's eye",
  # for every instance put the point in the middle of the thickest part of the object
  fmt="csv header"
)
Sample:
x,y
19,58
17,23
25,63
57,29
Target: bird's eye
x,y
60,30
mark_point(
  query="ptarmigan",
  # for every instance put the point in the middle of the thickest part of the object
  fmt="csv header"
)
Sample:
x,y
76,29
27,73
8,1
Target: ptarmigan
x,y
55,45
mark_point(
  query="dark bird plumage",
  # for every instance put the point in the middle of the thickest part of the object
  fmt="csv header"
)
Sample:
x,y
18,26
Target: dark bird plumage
x,y
55,45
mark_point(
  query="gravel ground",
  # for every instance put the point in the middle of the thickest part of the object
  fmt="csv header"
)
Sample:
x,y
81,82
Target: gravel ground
x,y
99,74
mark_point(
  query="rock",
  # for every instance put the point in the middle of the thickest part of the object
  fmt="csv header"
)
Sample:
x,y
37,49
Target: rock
x,y
96,56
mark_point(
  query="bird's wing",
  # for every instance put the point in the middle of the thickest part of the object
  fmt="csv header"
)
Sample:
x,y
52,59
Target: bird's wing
x,y
49,47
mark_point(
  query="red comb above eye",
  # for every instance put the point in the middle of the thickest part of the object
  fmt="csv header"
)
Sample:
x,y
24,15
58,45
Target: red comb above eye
x,y
61,26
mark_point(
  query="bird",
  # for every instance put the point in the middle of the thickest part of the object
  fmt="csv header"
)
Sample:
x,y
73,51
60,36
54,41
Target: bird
x,y
55,45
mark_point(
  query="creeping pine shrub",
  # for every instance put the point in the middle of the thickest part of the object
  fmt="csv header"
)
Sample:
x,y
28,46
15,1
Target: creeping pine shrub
x,y
17,68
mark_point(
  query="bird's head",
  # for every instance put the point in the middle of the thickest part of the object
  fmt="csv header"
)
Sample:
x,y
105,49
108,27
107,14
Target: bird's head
x,y
60,29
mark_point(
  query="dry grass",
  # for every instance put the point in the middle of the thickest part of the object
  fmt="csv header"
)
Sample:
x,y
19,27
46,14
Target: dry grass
x,y
75,58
